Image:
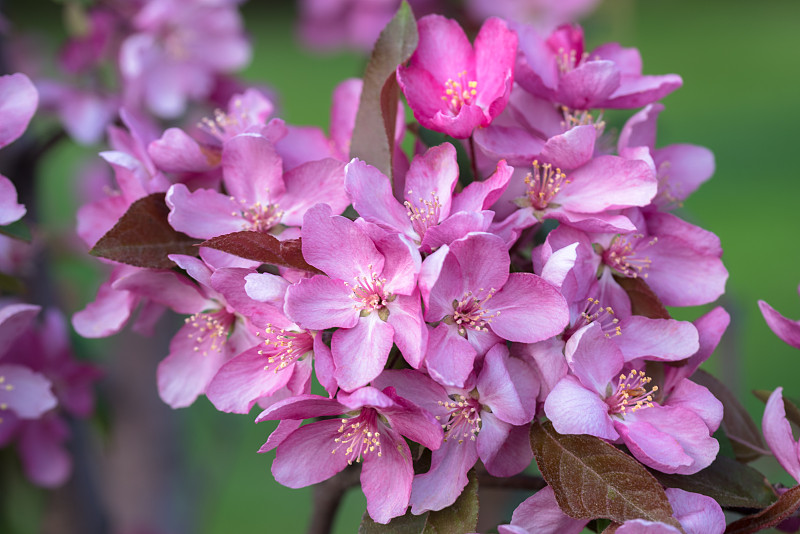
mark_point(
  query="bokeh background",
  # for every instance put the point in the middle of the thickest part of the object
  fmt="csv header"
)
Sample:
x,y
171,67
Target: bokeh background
x,y
149,469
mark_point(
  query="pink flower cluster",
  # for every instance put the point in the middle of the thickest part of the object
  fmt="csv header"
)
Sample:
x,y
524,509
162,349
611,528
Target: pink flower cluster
x,y
152,56
434,316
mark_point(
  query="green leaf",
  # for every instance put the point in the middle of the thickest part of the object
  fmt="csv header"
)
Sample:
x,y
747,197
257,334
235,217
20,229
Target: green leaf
x,y
17,230
736,422
373,135
787,504
592,479
405,524
730,483
143,236
792,411
643,300
263,248
461,516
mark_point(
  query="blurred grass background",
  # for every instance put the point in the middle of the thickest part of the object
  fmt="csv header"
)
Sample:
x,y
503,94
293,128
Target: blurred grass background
x,y
741,76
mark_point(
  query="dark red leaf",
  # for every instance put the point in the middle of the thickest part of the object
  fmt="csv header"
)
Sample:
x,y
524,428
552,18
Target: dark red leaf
x,y
143,237
373,136
787,504
732,484
263,248
643,300
736,422
592,479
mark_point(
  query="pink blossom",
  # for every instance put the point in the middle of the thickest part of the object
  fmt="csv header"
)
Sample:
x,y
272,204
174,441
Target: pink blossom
x,y
469,292
453,87
369,293
544,15
560,70
260,197
371,433
487,420
431,215
177,50
602,399
680,168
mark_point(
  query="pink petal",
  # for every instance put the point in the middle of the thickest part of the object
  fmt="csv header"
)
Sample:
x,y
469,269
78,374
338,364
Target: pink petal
x,y
540,514
698,399
360,353
480,195
450,357
321,302
495,55
386,479
786,329
18,101
657,339
608,182
372,197
252,170
498,389
353,256
165,287
594,358
505,450
10,210
204,213
107,315
44,458
312,183
441,485
778,434
410,332
186,372
638,91
528,309
305,458
697,513
443,49
573,409
588,84
670,439
433,174
27,393
240,382
176,151
571,149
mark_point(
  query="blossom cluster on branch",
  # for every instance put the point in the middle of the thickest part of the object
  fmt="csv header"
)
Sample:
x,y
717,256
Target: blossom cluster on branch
x,y
494,295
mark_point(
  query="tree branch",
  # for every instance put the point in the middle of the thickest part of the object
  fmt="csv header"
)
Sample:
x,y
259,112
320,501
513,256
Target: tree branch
x,y
327,497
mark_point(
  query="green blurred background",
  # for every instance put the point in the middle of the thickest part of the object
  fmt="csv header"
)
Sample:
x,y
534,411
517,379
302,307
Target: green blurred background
x,y
741,69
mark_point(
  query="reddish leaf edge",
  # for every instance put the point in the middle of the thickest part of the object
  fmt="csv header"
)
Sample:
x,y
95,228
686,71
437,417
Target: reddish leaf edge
x,y
785,506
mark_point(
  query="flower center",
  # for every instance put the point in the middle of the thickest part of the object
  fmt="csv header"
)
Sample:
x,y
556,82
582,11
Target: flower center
x,y
225,125
595,312
259,217
631,393
460,92
574,117
622,255
359,436
463,418
368,293
283,348
568,60
543,184
469,312
424,214
209,330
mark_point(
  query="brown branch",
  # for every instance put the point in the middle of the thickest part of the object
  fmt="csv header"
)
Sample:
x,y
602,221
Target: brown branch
x,y
327,497
517,482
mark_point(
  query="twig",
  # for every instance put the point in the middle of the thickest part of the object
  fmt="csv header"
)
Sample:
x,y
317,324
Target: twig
x,y
327,497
